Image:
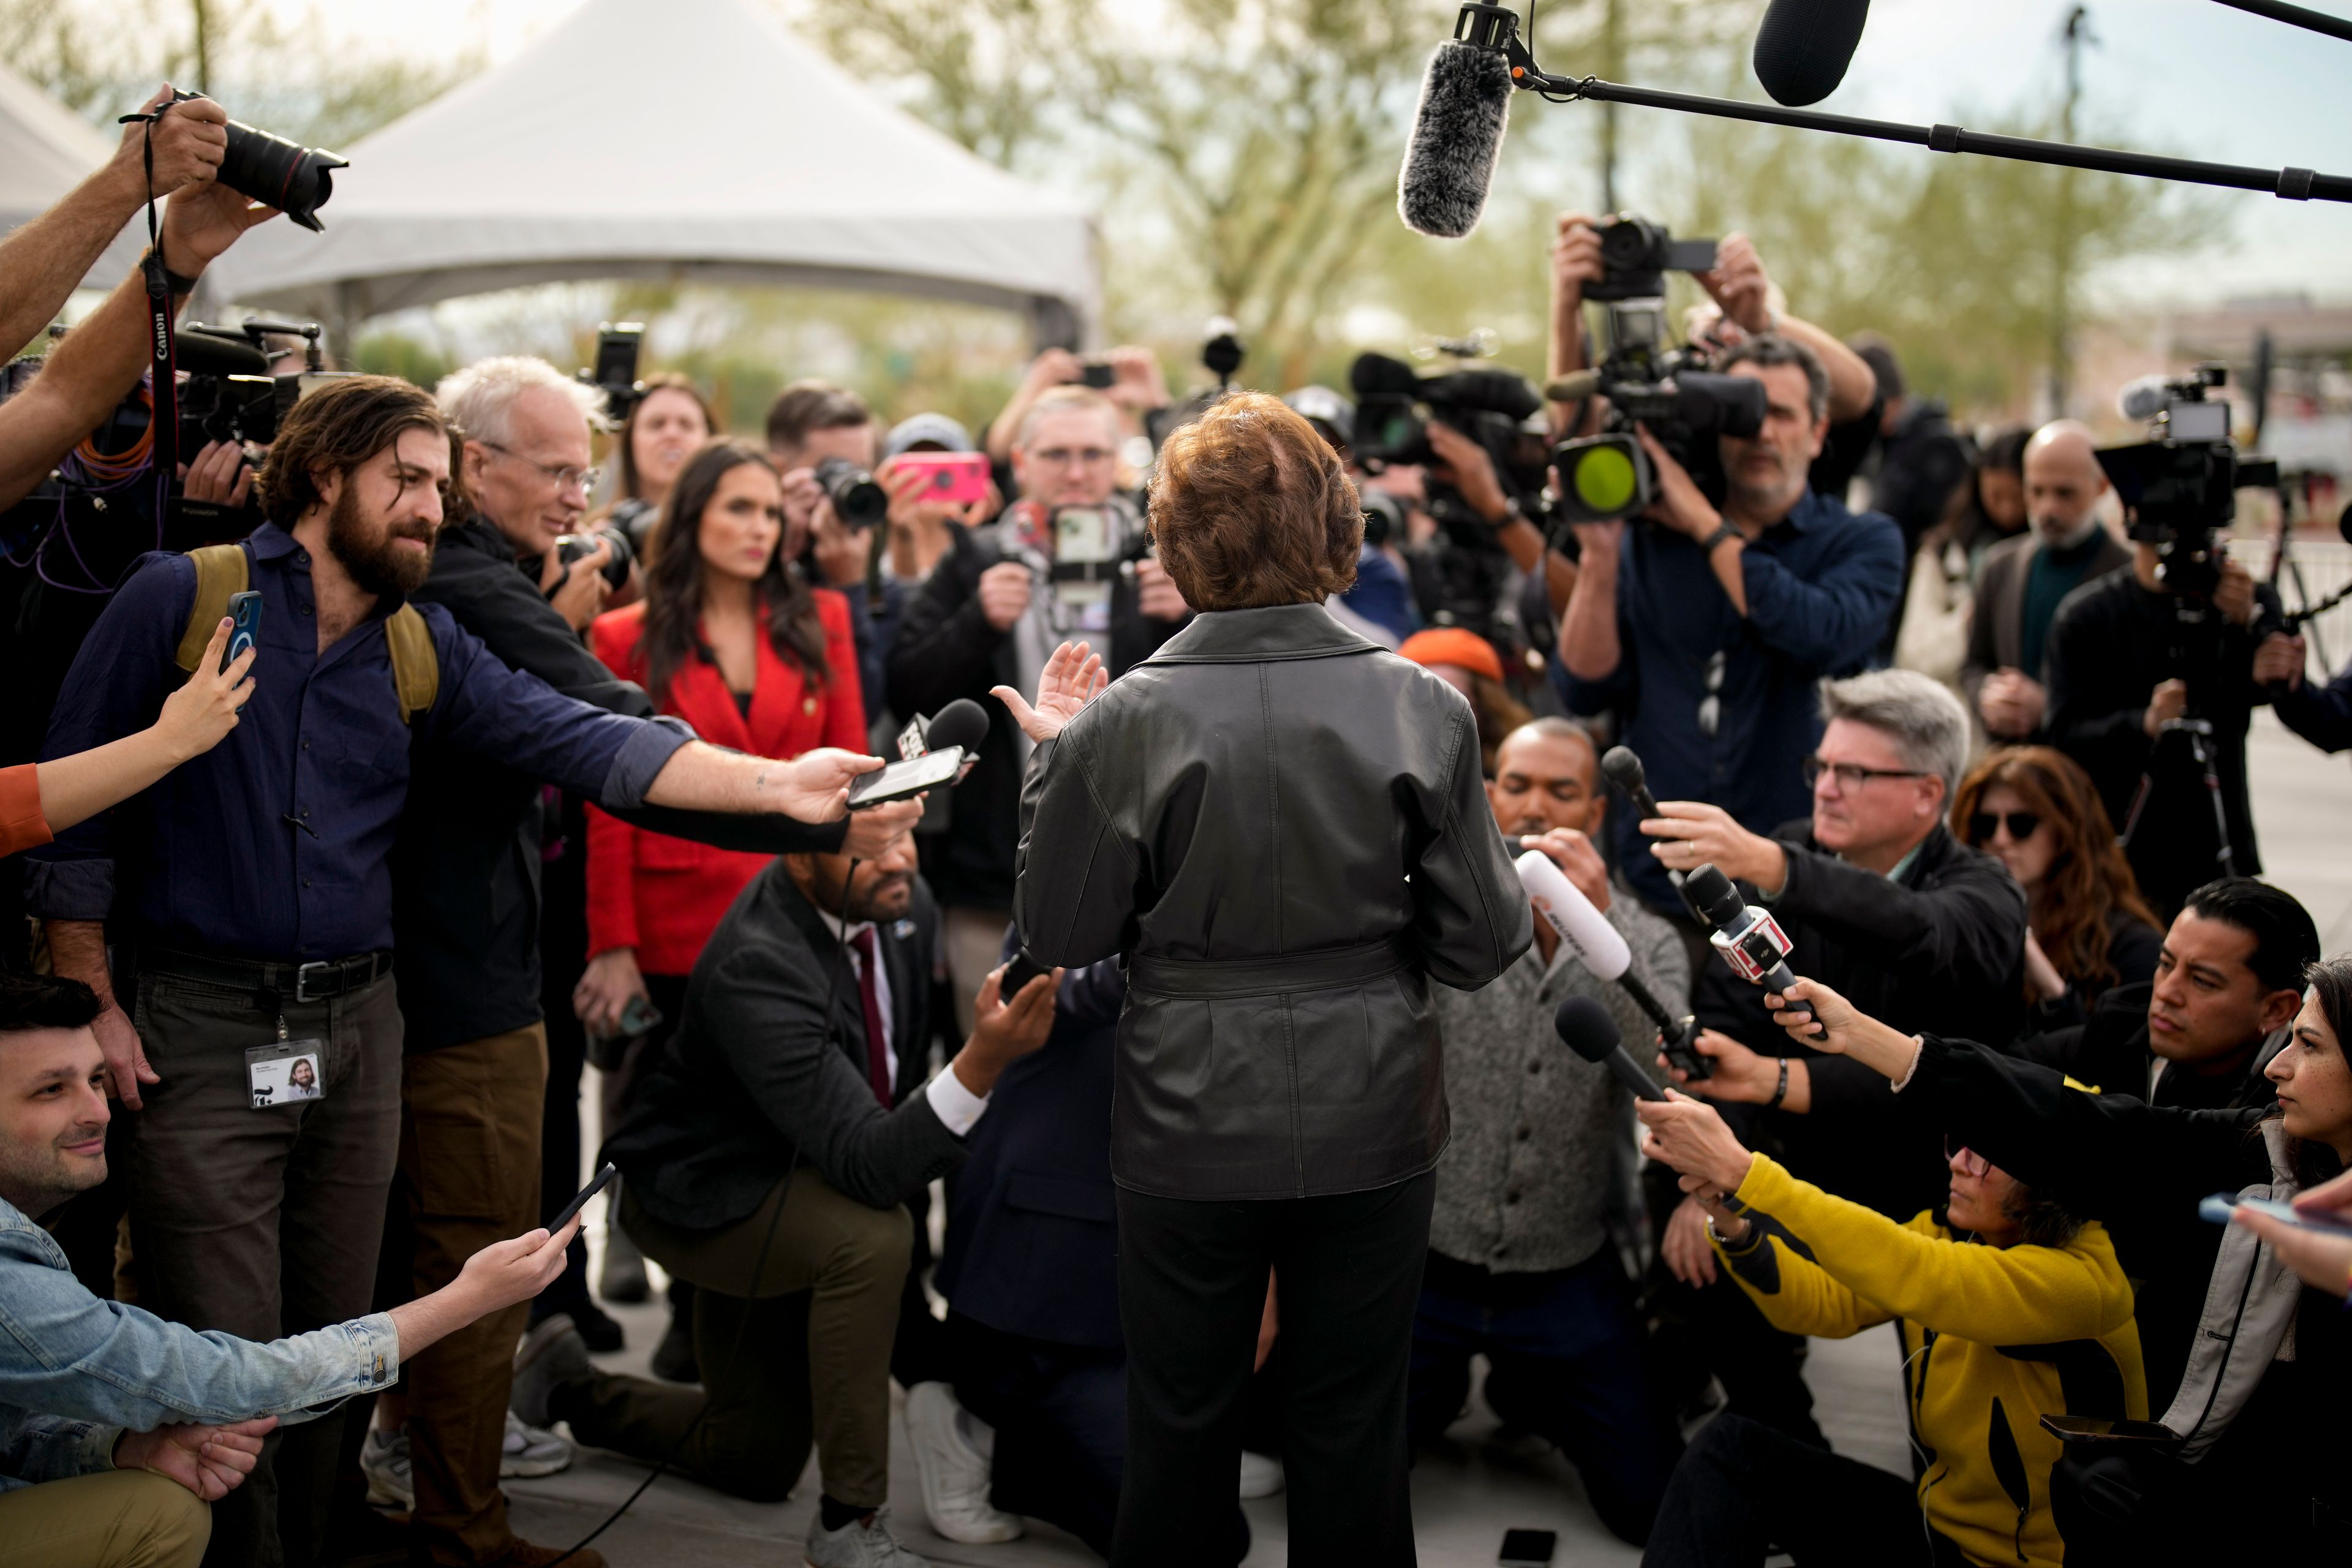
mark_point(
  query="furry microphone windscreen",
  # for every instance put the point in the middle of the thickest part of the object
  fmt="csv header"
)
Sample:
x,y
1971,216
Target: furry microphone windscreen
x,y
1457,134
1804,46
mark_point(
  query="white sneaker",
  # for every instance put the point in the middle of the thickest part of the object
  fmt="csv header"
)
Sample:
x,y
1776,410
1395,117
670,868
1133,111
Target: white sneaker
x,y
1261,1477
954,1473
384,1459
860,1543
529,1451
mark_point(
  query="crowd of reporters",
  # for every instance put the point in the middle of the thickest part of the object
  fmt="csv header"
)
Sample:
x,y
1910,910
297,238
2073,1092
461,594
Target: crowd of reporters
x,y
523,773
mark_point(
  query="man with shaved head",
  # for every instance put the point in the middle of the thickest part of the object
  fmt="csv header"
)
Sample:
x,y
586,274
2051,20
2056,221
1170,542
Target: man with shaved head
x,y
2025,579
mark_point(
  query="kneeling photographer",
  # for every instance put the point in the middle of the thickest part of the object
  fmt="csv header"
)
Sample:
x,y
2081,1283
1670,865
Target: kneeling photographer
x,y
2152,670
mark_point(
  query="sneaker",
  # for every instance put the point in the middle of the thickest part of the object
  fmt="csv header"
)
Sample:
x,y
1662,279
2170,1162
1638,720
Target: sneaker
x,y
531,1452
552,1356
384,1459
1261,1477
861,1543
954,1472
673,1360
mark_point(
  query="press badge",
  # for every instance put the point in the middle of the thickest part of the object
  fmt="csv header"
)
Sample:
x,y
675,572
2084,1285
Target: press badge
x,y
285,1073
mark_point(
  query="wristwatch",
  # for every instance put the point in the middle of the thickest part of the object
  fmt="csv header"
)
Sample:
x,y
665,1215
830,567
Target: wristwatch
x,y
1715,540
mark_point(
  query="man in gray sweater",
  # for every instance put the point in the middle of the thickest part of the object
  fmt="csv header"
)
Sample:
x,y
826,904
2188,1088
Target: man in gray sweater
x,y
1520,1266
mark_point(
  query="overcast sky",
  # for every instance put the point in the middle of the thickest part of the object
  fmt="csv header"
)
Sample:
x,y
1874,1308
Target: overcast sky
x,y
2190,76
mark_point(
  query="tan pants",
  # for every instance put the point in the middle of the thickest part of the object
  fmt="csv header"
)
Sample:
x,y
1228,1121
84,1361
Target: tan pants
x,y
801,1352
119,1518
469,1129
974,940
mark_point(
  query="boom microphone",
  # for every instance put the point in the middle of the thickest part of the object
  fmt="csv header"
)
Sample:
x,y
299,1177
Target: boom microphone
x,y
1601,950
1804,46
1585,1027
2143,398
1457,134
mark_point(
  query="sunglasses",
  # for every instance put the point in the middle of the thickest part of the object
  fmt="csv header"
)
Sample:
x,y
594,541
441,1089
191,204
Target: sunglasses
x,y
2023,825
1971,1164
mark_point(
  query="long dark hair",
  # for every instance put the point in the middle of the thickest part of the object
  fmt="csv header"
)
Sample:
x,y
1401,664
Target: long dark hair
x,y
630,486
2330,983
2089,880
674,580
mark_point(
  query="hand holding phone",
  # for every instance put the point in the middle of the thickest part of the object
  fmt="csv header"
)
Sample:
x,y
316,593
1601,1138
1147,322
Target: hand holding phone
x,y
2219,1208
580,1200
904,781
244,625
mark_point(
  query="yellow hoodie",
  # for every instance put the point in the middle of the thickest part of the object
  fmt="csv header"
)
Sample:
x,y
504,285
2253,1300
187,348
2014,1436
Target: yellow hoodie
x,y
1993,1340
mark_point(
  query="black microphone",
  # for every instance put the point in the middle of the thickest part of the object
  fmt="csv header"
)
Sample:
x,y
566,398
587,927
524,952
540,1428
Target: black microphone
x,y
961,722
1748,940
1457,134
1804,46
1586,1027
1621,768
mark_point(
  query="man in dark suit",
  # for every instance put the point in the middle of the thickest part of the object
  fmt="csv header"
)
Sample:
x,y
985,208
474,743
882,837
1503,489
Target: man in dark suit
x,y
767,1162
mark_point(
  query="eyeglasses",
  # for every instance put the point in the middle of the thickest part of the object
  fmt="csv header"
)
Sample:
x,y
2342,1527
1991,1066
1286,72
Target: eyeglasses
x,y
1070,457
1854,775
1970,1162
564,479
2022,825
1710,707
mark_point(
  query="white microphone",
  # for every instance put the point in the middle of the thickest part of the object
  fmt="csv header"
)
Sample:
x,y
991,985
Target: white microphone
x,y
1601,950
1457,134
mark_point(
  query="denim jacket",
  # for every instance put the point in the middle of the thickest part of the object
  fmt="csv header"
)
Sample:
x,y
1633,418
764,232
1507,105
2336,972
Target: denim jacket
x,y
76,1372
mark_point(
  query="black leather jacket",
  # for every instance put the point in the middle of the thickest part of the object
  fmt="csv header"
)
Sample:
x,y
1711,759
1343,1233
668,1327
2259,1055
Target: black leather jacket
x,y
1283,830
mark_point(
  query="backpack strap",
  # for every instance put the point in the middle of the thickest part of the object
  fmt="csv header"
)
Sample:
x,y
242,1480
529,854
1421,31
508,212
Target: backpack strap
x,y
416,663
222,571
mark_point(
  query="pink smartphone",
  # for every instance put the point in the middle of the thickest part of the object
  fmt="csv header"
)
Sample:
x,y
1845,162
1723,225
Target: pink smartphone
x,y
954,478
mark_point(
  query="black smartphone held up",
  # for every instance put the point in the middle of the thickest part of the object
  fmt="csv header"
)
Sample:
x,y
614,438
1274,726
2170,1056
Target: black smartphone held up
x,y
1018,974
903,781
1526,1549
2098,1429
579,1199
244,625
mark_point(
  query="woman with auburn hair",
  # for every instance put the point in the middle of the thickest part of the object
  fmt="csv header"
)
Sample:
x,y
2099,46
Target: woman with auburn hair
x,y
1283,829
2088,929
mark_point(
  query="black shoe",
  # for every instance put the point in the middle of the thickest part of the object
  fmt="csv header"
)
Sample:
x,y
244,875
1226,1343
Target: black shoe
x,y
599,1328
673,1360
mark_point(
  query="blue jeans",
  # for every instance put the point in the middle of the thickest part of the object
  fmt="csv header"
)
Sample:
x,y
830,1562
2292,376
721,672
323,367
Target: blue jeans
x,y
1566,1359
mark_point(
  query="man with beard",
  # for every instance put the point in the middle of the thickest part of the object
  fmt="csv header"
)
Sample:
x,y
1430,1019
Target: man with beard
x,y
250,893
768,1161
2028,577
1710,629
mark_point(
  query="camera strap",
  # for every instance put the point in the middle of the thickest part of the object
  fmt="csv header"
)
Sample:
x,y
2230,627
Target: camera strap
x,y
163,421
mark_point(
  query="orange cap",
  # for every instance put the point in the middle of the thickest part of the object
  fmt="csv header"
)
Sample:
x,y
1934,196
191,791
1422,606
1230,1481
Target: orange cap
x,y
1452,645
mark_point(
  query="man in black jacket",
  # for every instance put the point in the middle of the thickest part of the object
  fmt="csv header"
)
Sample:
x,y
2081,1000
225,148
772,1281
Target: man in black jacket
x,y
768,1161
467,891
1876,895
1069,560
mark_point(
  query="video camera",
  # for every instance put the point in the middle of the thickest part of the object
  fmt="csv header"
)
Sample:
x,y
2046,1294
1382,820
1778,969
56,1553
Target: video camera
x,y
618,344
2181,484
229,395
1668,391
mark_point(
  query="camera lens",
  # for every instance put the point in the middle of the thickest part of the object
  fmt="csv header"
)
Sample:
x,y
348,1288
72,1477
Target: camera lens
x,y
572,546
276,173
1604,479
856,499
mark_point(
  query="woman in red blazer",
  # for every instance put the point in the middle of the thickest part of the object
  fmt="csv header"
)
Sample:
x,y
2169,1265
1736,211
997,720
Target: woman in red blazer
x,y
730,639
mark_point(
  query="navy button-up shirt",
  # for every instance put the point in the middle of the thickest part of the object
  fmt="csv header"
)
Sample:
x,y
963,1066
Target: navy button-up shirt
x,y
1821,584
275,844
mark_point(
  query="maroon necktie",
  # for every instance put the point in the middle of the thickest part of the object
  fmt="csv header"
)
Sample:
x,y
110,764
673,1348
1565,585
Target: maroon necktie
x,y
878,1051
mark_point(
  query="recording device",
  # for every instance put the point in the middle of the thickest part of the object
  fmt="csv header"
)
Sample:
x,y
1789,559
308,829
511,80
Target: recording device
x,y
276,173
571,547
1222,351
1097,372
244,625
2181,483
1602,951
1384,516
949,479
935,751
1746,938
962,724
1624,771
1804,46
618,344
230,395
858,500
596,1183
2221,1205
1526,1549
1457,129
1019,971
906,780
2099,1429
1667,391
1585,1027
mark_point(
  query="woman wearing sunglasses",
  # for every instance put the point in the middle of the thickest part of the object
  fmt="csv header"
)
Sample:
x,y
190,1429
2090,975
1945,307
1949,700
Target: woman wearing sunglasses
x,y
2010,1307
2036,811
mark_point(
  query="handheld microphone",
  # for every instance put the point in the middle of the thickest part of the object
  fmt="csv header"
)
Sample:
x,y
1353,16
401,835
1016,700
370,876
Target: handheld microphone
x,y
1804,46
1601,950
1585,1027
1457,134
961,722
1748,940
1623,769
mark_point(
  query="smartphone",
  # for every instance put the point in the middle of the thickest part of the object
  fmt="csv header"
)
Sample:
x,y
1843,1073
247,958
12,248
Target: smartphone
x,y
2217,1208
244,623
617,343
1018,974
955,478
2098,1429
579,1199
902,781
1526,1548
1097,374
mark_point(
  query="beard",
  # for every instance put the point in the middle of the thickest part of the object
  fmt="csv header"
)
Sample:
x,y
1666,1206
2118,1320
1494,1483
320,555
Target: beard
x,y
371,554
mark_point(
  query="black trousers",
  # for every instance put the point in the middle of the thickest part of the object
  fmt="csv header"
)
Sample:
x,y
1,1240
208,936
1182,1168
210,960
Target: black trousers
x,y
1743,1487
1191,1282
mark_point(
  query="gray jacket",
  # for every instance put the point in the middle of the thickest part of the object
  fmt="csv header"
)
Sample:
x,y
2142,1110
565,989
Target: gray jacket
x,y
1539,1133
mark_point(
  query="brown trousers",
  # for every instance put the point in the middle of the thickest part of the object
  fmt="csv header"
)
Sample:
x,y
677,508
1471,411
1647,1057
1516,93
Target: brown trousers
x,y
115,1519
469,1129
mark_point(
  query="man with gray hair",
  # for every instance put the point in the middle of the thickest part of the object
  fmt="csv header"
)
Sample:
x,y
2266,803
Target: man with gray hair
x,y
1877,900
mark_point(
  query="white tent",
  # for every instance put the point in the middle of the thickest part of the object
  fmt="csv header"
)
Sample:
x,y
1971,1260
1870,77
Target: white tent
x,y
670,139
45,149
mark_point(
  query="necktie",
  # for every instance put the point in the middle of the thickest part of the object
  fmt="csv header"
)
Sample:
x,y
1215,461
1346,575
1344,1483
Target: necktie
x,y
877,1049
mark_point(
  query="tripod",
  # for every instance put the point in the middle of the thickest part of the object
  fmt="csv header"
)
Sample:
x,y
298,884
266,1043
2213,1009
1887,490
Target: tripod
x,y
2201,746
